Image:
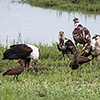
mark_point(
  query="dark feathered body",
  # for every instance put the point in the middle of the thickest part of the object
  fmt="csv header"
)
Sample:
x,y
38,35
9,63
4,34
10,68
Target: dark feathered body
x,y
22,51
77,60
16,70
17,51
80,34
65,45
82,59
70,46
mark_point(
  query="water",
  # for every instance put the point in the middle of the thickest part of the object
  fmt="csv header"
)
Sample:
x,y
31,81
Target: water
x,y
39,25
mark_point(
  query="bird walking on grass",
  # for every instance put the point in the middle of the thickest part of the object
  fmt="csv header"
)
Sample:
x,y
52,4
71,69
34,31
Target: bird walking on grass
x,y
65,45
16,70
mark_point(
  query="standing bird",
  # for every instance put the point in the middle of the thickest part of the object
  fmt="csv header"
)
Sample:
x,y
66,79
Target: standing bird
x,y
25,52
65,45
80,34
16,70
77,60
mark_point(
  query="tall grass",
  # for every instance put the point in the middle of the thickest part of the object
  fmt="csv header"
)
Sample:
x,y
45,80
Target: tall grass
x,y
55,80
69,5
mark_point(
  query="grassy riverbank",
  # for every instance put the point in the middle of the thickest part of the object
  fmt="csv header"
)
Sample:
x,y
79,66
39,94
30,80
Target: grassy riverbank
x,y
53,81
69,5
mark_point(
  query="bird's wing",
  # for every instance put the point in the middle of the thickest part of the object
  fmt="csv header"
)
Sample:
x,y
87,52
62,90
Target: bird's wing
x,y
82,59
7,72
17,69
17,51
69,43
14,70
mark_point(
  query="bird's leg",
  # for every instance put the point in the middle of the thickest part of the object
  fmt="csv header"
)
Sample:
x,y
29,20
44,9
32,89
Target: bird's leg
x,y
63,55
90,57
71,73
75,43
79,69
27,62
68,54
91,63
17,78
14,76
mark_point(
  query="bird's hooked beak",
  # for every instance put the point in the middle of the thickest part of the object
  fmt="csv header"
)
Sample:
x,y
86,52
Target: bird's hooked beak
x,y
61,35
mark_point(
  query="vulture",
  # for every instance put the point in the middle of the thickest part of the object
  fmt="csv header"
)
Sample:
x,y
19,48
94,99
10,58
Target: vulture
x,y
80,34
65,45
78,60
16,70
25,52
92,49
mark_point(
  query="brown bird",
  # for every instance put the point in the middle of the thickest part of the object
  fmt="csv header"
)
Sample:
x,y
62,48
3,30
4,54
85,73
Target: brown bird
x,y
80,34
16,70
77,60
65,45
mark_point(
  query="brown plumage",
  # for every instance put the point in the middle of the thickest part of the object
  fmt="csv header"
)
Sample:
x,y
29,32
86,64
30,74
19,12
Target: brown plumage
x,y
77,60
92,49
16,70
65,45
80,34
86,51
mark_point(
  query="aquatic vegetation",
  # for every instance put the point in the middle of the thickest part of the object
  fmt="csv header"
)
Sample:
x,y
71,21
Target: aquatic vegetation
x,y
69,5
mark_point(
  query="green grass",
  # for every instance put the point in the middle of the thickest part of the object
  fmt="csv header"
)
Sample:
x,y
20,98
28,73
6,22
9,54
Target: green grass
x,y
92,6
53,81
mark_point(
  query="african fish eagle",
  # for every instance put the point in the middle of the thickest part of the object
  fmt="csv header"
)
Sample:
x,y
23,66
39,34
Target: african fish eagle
x,y
25,52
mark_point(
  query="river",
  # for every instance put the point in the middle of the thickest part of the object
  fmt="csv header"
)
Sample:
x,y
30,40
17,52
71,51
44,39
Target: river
x,y
37,24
